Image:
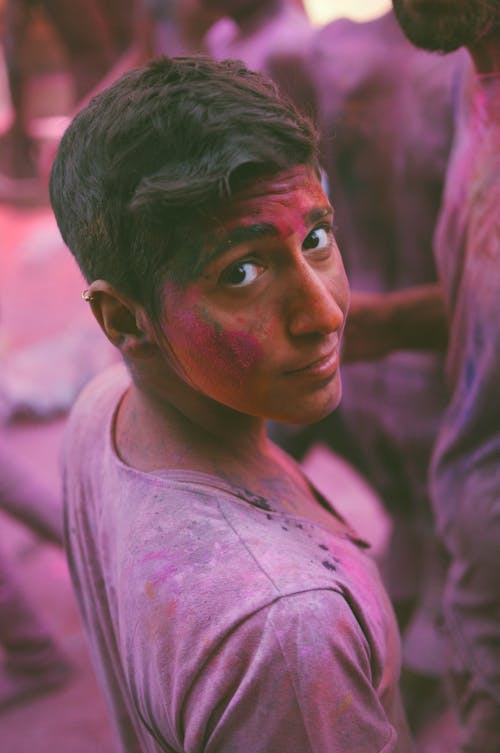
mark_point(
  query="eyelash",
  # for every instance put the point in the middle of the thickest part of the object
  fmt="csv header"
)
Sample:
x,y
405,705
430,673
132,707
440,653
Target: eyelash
x,y
330,231
223,279
330,227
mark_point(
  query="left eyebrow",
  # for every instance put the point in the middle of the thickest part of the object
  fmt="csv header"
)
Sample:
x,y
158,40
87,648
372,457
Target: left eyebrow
x,y
315,215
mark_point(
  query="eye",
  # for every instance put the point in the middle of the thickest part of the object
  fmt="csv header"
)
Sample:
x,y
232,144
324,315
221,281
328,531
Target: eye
x,y
319,238
241,274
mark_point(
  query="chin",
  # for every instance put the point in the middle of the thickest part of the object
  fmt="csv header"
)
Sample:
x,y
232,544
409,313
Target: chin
x,y
312,409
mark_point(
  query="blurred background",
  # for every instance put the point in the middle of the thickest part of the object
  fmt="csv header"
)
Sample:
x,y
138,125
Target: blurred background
x,y
323,11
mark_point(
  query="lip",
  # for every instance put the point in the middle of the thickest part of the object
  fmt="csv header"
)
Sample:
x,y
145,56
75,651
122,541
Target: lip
x,y
322,367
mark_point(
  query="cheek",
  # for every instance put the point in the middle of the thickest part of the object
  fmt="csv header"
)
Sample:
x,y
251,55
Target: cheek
x,y
230,353
344,293
340,286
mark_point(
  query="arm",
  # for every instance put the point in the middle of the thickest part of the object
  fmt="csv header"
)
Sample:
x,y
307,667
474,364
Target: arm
x,y
297,676
380,323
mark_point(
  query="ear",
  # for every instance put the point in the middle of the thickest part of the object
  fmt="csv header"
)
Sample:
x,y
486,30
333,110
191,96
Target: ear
x,y
123,321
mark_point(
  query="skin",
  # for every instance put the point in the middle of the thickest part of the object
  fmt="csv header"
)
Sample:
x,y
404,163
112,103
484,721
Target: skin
x,y
446,25
234,346
267,306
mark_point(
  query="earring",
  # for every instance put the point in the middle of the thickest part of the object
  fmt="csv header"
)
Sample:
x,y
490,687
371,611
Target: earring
x,y
86,296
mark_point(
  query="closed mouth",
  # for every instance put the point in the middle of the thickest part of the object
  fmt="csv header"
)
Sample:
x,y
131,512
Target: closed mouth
x,y
324,363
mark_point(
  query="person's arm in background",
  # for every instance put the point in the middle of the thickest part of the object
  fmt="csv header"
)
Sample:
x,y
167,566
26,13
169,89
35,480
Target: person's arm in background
x,y
381,323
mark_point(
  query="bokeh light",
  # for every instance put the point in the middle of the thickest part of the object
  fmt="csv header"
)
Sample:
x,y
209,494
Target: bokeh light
x,y
323,11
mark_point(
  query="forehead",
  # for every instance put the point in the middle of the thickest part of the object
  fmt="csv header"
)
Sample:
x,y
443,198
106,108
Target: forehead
x,y
279,205
292,192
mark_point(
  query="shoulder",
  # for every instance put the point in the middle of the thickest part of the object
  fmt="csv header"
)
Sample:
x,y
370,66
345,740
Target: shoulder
x,y
295,675
316,626
335,30
237,610
310,633
217,563
336,64
93,410
100,393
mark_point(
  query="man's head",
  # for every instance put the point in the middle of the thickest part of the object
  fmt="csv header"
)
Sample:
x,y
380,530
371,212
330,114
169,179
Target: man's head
x,y
446,25
143,170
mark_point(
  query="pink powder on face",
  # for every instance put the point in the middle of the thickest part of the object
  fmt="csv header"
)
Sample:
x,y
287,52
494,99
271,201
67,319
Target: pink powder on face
x,y
283,200
226,352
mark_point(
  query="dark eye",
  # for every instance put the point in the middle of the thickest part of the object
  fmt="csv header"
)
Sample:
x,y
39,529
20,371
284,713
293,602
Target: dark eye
x,y
241,274
319,238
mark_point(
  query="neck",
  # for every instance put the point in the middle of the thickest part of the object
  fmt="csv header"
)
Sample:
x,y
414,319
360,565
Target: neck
x,y
186,430
485,54
152,435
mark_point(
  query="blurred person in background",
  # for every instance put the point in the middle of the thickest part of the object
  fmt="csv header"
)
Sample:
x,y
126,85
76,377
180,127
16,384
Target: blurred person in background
x,y
32,663
176,27
465,470
266,35
95,34
386,120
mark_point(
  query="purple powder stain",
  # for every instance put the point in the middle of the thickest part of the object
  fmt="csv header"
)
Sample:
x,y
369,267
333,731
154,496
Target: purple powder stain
x,y
328,565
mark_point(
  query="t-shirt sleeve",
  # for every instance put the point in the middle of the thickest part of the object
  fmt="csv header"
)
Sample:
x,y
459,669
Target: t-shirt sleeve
x,y
296,677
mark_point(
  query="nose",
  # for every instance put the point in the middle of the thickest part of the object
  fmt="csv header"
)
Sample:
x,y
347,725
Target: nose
x,y
317,302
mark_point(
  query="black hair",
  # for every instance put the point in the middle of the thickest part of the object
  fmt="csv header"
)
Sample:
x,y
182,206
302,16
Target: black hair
x,y
142,167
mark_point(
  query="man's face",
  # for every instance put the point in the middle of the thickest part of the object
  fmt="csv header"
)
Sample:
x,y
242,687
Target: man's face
x,y
259,327
446,25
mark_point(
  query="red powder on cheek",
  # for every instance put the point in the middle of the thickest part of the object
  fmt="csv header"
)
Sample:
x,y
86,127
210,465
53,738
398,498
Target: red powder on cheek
x,y
218,351
245,347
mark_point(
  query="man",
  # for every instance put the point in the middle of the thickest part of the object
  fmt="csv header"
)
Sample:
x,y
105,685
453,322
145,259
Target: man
x,y
465,480
228,606
259,29
95,34
175,27
266,35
